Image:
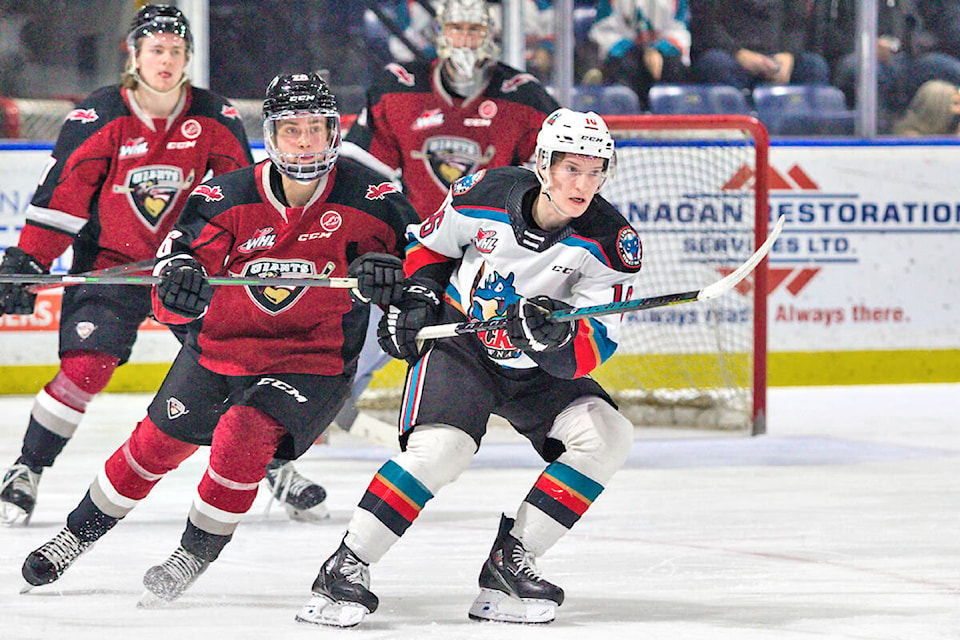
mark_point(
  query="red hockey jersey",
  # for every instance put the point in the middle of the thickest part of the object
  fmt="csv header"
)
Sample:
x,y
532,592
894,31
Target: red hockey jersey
x,y
237,225
413,124
117,179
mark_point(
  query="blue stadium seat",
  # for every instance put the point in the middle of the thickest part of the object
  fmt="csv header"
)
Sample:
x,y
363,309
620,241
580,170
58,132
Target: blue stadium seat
x,y
689,99
803,110
613,99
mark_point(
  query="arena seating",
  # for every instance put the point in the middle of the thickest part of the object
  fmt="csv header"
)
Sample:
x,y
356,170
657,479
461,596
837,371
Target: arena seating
x,y
803,110
613,99
675,99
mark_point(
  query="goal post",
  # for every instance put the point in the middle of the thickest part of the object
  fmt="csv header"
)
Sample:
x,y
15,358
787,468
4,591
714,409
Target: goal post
x,y
696,189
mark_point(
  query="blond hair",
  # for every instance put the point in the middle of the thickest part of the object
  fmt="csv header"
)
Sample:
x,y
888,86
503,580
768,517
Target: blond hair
x,y
930,112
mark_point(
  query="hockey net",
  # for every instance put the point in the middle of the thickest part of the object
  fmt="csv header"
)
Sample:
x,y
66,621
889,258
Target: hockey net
x,y
695,188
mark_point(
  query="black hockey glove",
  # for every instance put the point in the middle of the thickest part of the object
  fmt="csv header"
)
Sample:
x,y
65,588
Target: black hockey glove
x,y
14,298
531,331
379,278
397,332
183,288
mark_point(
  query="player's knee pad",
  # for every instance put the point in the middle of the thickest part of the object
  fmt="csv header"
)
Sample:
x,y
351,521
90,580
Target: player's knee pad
x,y
243,443
436,455
597,438
90,371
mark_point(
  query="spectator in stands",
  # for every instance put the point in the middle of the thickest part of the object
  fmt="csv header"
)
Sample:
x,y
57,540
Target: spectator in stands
x,y
910,50
744,43
934,110
642,42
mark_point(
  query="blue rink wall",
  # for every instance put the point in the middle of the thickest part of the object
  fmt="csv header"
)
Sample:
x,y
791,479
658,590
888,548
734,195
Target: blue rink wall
x,y
863,281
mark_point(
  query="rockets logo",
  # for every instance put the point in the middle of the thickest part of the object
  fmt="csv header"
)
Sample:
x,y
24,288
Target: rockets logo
x,y
230,112
512,84
379,191
628,247
210,193
275,300
404,77
86,116
152,191
450,158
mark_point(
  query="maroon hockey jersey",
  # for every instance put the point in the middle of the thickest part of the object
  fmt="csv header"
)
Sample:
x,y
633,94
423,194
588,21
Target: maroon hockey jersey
x,y
412,123
237,225
117,179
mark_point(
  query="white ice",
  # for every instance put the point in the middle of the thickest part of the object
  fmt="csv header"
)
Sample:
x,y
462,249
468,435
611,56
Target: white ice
x,y
843,522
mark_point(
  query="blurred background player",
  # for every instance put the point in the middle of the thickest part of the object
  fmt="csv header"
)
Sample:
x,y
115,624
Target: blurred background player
x,y
262,370
433,123
507,243
120,172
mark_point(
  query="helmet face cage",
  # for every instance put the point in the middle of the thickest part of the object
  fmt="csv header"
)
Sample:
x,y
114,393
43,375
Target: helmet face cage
x,y
154,19
584,134
466,63
297,96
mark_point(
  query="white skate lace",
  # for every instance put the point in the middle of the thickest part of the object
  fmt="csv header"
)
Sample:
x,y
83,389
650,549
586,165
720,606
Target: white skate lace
x,y
182,565
21,478
525,562
63,549
355,571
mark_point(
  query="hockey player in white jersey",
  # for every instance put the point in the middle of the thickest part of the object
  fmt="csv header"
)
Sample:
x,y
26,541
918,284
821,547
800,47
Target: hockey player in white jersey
x,y
513,244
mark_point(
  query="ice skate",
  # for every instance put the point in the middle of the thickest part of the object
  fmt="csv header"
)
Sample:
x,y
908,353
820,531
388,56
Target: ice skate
x,y
511,589
18,494
302,498
167,581
341,592
48,563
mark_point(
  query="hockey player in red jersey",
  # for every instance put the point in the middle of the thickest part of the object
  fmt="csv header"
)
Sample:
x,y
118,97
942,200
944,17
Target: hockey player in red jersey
x,y
435,123
262,370
507,243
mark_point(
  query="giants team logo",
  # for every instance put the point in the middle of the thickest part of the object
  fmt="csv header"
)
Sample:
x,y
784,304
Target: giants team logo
x,y
262,239
448,159
275,300
152,191
85,116
379,191
628,247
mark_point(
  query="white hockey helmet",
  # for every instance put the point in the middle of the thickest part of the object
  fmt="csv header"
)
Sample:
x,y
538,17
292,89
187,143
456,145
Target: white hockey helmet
x,y
467,68
566,131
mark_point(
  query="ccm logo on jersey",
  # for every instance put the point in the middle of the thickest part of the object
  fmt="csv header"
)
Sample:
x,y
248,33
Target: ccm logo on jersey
x,y
379,191
83,115
208,192
287,388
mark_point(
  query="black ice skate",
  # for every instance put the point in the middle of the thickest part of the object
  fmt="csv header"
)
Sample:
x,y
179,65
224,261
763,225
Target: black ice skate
x,y
167,582
341,592
302,498
47,564
511,589
18,494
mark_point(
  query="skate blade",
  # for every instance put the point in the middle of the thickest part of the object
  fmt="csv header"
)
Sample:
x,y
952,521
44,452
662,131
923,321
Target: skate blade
x,y
318,513
27,588
500,607
11,515
150,600
322,611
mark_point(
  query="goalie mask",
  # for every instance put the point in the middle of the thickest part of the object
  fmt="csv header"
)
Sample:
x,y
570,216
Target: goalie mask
x,y
465,44
301,105
154,19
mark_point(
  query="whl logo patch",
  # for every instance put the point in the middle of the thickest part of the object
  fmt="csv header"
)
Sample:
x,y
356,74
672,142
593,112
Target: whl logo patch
x,y
262,239
276,300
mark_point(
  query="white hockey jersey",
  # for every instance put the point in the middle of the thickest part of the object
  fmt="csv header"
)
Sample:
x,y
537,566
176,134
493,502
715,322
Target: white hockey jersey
x,y
499,257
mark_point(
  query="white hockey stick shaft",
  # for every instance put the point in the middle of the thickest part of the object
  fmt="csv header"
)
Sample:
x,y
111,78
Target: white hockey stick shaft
x,y
713,290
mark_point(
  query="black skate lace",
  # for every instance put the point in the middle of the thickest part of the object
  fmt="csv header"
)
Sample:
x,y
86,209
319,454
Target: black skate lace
x,y
63,549
21,478
182,565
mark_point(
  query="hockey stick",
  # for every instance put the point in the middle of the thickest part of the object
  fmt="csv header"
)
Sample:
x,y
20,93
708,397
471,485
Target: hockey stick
x,y
133,267
67,279
713,290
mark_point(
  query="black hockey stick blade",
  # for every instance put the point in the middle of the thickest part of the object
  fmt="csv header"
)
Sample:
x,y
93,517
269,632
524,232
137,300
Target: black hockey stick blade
x,y
713,290
132,267
147,280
